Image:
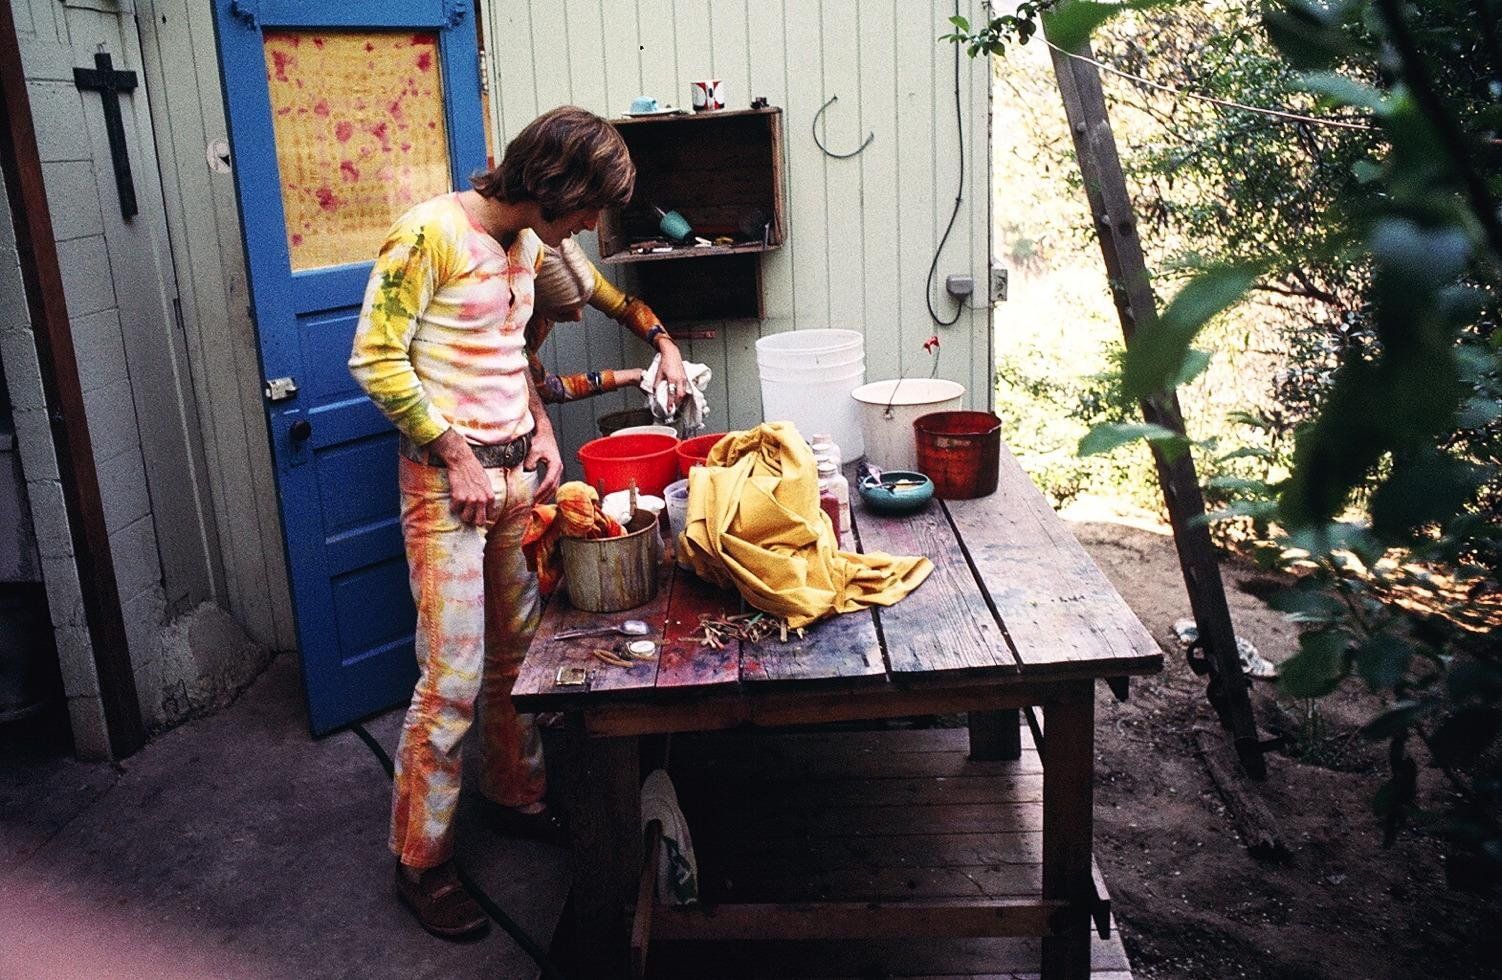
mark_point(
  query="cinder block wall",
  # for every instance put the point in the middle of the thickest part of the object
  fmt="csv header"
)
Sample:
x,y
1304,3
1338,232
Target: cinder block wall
x,y
121,291
44,490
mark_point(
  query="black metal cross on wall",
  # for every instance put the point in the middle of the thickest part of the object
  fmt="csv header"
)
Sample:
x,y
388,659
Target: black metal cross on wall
x,y
103,78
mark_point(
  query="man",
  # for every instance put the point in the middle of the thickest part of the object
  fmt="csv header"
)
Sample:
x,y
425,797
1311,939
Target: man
x,y
440,348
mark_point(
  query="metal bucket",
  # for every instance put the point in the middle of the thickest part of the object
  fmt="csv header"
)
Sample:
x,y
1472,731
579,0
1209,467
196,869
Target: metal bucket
x,y
612,422
612,574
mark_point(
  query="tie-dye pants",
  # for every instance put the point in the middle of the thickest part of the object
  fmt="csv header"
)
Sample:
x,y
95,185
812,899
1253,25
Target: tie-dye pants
x,y
477,608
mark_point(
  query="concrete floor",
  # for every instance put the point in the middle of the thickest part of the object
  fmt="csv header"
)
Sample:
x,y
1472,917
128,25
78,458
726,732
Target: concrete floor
x,y
236,845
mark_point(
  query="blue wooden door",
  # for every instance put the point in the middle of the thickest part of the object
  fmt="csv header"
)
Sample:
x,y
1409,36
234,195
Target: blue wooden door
x,y
342,116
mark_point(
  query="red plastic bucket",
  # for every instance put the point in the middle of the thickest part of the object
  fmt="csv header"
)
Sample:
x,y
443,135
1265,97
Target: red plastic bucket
x,y
693,452
960,452
612,463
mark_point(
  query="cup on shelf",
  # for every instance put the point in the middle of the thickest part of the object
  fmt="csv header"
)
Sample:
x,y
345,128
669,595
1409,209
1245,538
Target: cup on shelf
x,y
674,225
708,95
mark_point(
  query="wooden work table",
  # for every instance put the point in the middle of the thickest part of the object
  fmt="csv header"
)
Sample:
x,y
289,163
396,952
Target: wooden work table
x,y
1015,615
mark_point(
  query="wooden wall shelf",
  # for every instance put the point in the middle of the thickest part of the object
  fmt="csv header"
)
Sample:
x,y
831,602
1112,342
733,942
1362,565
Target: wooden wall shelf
x,y
723,171
689,252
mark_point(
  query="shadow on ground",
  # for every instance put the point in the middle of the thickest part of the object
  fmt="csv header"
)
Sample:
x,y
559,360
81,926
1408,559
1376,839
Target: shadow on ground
x,y
238,846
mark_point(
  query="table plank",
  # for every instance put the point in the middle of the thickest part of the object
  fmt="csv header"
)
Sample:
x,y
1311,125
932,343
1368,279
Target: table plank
x,y
946,623
753,856
837,647
539,670
683,663
1061,612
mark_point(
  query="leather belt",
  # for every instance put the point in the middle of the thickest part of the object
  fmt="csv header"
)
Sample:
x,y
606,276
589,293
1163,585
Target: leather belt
x,y
503,456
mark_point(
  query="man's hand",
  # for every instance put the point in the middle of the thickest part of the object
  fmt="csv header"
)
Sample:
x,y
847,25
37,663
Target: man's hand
x,y
671,370
470,496
544,450
545,453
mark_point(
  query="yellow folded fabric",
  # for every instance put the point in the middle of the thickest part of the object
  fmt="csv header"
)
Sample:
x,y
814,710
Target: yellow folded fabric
x,y
754,524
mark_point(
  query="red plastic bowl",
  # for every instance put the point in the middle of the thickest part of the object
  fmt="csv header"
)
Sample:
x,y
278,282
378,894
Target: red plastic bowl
x,y
612,463
693,452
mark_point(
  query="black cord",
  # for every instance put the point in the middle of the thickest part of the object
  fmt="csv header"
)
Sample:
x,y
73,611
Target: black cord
x,y
959,194
496,913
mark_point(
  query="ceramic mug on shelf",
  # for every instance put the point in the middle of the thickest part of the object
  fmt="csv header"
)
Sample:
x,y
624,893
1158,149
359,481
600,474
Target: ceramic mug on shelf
x,y
708,95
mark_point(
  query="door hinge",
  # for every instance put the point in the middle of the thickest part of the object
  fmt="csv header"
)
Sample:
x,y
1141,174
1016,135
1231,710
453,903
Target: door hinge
x,y
484,72
280,389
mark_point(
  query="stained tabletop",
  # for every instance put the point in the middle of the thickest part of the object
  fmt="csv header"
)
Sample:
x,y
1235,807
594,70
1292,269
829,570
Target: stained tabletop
x,y
1013,597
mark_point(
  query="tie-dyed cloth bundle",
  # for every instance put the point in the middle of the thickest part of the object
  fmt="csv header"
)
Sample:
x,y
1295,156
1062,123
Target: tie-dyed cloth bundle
x,y
577,514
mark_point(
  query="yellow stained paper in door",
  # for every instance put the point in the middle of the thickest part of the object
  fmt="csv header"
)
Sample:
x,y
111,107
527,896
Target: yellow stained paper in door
x,y
360,136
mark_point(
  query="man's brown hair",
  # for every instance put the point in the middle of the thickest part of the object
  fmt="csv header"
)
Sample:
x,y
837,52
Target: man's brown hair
x,y
568,159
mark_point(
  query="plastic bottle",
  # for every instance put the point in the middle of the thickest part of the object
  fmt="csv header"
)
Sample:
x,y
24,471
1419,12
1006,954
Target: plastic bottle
x,y
833,483
825,449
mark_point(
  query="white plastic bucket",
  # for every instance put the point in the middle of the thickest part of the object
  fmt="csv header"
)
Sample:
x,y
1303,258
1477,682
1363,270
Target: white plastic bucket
x,y
806,379
818,404
888,433
855,368
676,495
809,348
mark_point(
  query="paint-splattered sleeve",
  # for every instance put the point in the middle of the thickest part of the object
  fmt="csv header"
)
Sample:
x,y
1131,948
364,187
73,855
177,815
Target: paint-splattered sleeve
x,y
407,272
555,389
628,311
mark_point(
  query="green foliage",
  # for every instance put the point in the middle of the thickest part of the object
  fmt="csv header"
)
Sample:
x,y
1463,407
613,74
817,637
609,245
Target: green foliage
x,y
1160,357
993,36
1384,238
1104,438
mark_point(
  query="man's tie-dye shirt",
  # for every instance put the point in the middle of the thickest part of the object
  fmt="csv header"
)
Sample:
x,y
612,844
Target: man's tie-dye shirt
x,y
441,338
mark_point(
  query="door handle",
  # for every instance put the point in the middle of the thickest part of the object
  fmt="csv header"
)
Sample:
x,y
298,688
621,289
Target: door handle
x,y
300,430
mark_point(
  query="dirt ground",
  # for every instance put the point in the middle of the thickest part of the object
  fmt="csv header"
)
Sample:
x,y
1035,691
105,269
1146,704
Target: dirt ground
x,y
1188,898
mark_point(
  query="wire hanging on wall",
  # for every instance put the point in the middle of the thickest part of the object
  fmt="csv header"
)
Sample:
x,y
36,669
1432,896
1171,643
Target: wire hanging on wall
x,y
959,195
820,143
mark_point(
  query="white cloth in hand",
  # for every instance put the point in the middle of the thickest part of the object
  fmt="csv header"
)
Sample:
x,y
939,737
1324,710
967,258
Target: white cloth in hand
x,y
692,408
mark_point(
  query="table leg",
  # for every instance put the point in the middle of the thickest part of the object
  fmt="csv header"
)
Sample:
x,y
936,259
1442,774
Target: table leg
x,y
996,735
1068,824
603,779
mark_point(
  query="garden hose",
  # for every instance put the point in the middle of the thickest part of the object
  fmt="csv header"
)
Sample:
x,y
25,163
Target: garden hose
x,y
497,914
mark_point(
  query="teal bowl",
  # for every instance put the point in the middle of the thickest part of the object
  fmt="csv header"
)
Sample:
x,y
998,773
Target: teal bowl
x,y
913,492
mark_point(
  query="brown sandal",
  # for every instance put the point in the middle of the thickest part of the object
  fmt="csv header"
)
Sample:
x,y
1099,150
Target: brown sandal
x,y
440,903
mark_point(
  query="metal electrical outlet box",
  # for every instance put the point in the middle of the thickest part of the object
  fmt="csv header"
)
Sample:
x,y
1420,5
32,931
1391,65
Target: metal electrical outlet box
x,y
998,284
959,286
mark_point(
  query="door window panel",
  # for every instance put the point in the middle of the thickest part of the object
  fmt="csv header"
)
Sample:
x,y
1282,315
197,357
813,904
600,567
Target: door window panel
x,y
360,136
